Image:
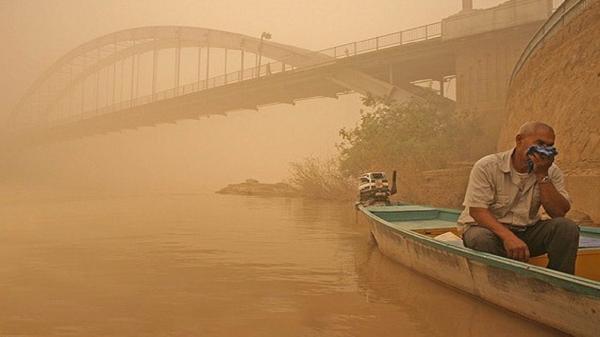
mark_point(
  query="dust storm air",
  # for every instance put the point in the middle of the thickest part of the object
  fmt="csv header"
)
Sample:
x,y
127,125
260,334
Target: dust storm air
x,y
220,149
223,168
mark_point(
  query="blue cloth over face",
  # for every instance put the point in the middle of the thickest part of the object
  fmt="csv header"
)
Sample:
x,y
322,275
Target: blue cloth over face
x,y
544,150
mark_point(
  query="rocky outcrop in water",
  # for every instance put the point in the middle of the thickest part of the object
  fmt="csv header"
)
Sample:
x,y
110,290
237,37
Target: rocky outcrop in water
x,y
254,187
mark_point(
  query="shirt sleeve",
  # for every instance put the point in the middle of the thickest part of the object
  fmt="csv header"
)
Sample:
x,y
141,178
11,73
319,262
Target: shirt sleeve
x,y
558,180
480,190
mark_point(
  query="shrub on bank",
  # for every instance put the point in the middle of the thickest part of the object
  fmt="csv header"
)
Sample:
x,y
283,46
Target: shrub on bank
x,y
321,178
409,137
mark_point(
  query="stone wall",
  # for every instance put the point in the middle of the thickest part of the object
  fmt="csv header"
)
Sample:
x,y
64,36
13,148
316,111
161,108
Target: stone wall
x,y
440,188
560,85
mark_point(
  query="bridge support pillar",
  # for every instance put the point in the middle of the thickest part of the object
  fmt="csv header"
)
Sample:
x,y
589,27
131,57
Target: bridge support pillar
x,y
177,66
114,84
242,65
83,91
225,67
154,71
137,76
199,66
207,66
121,94
131,83
467,5
97,102
483,68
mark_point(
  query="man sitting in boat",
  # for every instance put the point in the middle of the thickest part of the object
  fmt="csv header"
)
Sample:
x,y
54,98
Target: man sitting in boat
x,y
503,200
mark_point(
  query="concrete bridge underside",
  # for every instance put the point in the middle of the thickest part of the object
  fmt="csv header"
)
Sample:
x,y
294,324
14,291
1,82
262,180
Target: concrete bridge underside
x,y
284,88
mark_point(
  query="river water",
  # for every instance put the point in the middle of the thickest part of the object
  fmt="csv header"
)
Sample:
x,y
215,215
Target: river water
x,y
202,264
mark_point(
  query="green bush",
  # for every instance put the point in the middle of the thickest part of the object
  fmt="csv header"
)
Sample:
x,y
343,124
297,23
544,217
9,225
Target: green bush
x,y
409,137
414,135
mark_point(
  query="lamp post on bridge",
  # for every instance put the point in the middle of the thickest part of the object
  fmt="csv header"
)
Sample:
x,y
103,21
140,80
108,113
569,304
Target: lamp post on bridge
x,y
263,36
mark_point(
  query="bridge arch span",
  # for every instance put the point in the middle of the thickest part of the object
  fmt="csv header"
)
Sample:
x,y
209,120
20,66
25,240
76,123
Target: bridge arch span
x,y
77,65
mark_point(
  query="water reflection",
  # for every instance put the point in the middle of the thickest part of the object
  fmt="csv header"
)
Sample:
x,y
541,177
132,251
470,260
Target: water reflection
x,y
199,264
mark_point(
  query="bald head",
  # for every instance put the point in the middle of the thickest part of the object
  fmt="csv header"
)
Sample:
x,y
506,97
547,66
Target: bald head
x,y
531,128
533,133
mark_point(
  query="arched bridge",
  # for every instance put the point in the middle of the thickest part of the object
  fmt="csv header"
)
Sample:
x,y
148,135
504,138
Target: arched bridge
x,y
150,75
131,68
105,72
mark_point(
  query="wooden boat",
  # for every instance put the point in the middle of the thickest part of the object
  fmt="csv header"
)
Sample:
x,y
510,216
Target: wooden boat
x,y
570,303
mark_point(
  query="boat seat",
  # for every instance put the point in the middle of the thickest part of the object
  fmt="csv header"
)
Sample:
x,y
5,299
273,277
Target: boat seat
x,y
588,258
586,265
589,242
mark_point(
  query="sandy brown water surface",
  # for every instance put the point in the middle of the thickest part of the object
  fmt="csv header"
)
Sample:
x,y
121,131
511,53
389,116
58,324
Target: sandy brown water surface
x,y
202,264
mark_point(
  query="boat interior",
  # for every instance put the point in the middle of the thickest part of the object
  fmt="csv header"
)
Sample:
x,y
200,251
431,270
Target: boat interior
x,y
440,224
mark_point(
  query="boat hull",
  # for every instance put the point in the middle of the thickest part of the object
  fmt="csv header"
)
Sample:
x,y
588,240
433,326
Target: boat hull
x,y
537,293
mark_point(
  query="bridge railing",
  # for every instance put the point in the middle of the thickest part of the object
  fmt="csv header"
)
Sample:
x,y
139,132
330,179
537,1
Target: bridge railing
x,y
320,57
412,35
562,15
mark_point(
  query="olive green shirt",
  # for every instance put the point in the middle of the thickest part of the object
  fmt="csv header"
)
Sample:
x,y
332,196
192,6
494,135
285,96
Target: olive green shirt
x,y
511,197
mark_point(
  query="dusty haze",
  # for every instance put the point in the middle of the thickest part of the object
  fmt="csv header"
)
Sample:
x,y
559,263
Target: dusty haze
x,y
120,234
193,154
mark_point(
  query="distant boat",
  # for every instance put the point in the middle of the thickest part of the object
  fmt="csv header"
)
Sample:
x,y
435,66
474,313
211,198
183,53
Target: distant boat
x,y
407,234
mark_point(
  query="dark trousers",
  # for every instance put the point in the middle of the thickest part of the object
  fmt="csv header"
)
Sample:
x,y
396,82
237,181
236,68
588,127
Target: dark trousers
x,y
558,237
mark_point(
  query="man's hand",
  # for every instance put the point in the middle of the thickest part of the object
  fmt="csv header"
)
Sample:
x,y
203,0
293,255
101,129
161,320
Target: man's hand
x,y
554,203
515,248
541,164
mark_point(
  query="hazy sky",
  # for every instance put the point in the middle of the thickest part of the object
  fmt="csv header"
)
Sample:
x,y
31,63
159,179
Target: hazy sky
x,y
35,33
